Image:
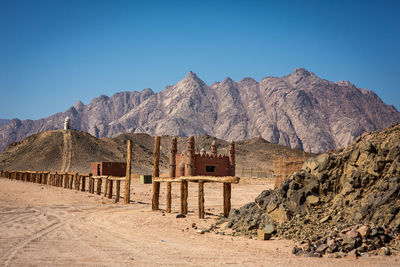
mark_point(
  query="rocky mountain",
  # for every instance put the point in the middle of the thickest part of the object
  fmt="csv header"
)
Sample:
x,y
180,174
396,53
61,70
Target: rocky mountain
x,y
298,110
3,121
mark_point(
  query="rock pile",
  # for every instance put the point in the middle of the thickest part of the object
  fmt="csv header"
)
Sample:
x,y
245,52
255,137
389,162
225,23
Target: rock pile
x,y
341,202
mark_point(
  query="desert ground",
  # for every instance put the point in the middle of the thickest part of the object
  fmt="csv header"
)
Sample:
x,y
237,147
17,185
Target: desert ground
x,y
41,225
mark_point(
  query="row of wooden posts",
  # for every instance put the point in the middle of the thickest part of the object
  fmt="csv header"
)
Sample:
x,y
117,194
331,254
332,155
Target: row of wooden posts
x,y
77,181
70,180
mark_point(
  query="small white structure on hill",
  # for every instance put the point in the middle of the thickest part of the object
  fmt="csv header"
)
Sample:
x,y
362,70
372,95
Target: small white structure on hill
x,y
67,123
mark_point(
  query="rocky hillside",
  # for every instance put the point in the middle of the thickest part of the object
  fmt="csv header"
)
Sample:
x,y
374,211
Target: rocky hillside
x,y
342,202
73,150
298,110
3,121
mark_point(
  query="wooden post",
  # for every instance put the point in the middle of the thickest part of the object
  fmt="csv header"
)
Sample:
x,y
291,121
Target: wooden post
x,y
110,188
117,190
201,199
83,183
98,191
106,187
127,197
156,173
227,199
169,197
172,171
184,196
71,180
77,181
91,185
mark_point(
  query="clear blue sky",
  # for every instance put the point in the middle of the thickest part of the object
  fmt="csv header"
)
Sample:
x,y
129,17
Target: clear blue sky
x,y
54,53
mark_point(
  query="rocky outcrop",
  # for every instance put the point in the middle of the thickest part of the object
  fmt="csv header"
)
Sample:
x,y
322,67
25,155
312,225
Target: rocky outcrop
x,y
298,110
344,201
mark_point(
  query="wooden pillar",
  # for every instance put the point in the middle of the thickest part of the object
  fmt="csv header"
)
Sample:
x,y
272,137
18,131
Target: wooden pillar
x,y
169,197
184,196
66,180
98,190
106,187
110,188
172,171
156,173
117,190
127,196
77,181
71,180
201,199
91,185
83,183
227,199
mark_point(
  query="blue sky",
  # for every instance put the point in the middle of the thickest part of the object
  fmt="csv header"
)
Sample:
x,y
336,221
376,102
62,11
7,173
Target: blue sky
x,y
54,53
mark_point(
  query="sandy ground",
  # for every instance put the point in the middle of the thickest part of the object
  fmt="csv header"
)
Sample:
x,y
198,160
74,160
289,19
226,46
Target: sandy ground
x,y
42,225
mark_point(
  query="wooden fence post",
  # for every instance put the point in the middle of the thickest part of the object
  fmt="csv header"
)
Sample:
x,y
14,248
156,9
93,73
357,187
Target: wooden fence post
x,y
184,196
99,181
156,173
117,190
110,188
71,180
83,183
227,199
169,197
127,196
91,185
201,199
106,186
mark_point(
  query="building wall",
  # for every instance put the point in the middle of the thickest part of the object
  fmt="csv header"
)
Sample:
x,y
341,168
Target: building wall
x,y
284,167
109,168
220,164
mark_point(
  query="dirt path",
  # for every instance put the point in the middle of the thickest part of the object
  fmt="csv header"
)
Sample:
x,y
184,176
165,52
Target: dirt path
x,y
67,151
43,225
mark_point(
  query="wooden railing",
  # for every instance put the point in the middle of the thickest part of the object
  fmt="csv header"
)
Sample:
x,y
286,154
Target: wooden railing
x,y
69,180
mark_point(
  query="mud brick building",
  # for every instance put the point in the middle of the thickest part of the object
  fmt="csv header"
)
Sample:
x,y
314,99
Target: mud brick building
x,y
108,168
190,163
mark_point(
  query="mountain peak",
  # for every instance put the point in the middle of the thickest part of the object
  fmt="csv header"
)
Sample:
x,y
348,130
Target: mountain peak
x,y
301,72
79,105
191,75
190,79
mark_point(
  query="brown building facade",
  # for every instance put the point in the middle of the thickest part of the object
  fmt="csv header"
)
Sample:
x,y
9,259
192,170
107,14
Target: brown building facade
x,y
108,168
190,163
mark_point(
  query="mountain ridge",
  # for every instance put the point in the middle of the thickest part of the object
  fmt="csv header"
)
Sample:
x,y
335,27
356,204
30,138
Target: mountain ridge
x,y
297,110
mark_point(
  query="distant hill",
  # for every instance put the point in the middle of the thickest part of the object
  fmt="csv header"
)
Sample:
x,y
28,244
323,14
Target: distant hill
x,y
74,150
299,110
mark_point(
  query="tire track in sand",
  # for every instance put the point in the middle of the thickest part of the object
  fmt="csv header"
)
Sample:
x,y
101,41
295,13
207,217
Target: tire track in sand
x,y
13,250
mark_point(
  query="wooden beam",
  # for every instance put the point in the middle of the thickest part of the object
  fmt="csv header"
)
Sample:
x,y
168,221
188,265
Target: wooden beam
x,y
227,199
208,179
127,197
201,199
156,173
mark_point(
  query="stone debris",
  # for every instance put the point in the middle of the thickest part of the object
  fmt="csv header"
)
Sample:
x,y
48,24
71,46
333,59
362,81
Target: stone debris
x,y
343,203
